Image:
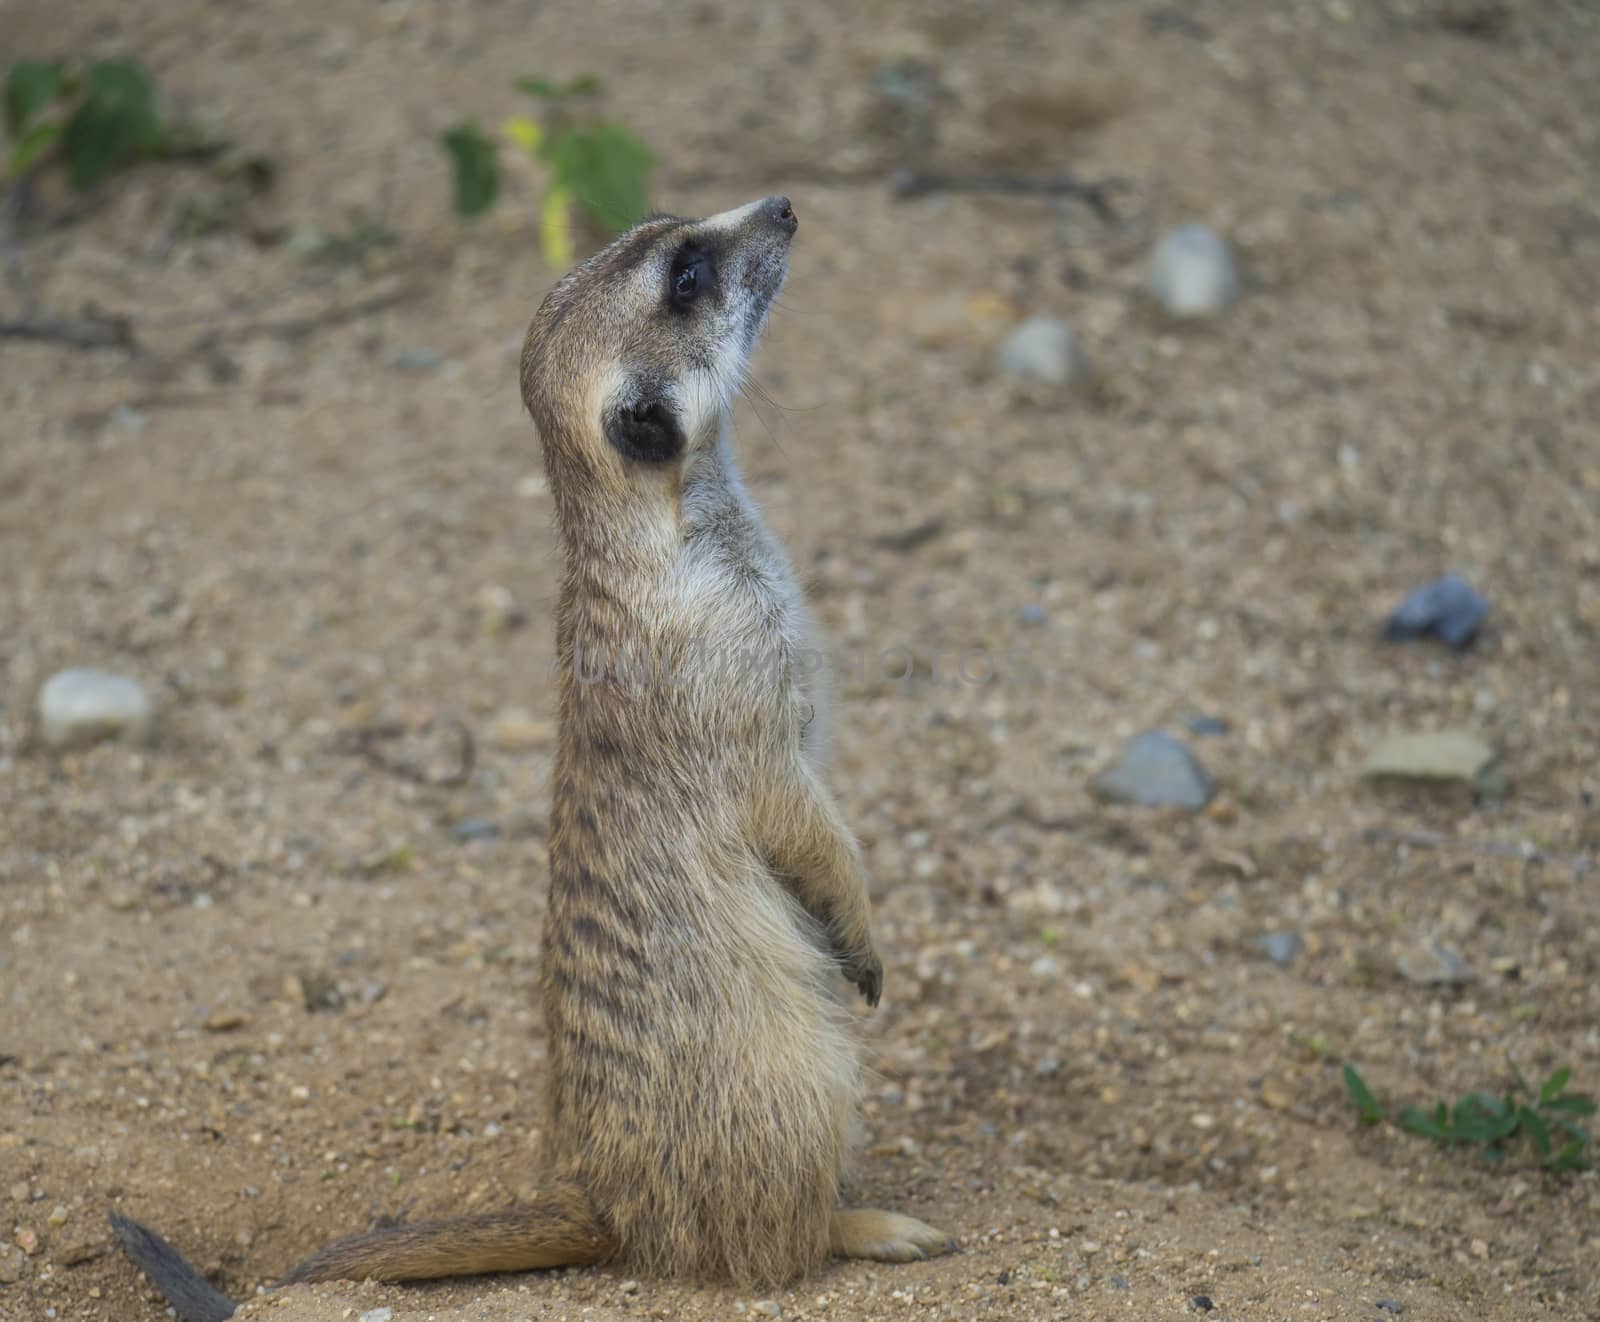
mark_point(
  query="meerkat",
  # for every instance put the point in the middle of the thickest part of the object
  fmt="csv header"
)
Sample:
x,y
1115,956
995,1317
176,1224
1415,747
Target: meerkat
x,y
705,891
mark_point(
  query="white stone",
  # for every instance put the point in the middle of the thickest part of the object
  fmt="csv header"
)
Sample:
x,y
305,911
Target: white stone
x,y
1192,272
80,707
1042,349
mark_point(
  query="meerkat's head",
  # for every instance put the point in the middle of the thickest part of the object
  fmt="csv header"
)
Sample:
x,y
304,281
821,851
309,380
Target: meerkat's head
x,y
634,356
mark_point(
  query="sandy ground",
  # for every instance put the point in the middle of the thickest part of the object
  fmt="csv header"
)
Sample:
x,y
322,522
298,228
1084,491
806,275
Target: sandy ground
x,y
253,990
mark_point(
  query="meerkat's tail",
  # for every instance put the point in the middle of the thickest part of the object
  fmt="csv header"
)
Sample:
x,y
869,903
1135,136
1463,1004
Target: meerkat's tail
x,y
189,1293
560,1228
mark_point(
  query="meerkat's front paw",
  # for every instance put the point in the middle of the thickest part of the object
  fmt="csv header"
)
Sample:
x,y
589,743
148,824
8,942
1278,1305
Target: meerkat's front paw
x,y
866,971
886,1237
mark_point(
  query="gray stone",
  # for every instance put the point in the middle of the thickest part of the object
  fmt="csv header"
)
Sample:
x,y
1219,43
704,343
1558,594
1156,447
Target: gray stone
x,y
127,418
378,1315
474,828
416,360
1280,947
1157,771
1432,965
80,707
1192,273
1042,349
1445,755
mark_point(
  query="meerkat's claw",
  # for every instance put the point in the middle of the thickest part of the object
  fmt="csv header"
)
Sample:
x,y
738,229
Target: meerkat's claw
x,y
867,975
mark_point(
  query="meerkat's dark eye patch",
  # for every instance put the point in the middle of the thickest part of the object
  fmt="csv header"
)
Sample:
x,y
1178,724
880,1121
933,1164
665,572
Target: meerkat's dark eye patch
x,y
646,431
693,275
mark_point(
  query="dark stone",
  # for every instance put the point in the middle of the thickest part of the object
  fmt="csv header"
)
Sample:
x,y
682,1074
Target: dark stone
x,y
1448,608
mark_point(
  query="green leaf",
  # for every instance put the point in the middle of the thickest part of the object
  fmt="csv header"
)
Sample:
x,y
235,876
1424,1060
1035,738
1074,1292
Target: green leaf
x,y
542,88
1534,1127
123,85
1570,1158
1573,1104
116,121
1367,1106
1554,1086
35,142
1483,1118
1573,1128
604,167
1522,1085
476,162
585,84
97,139
1496,1108
31,85
1414,1120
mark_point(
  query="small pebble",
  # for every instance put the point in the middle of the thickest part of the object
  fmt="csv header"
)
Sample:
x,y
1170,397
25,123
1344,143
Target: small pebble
x,y
1203,1303
1444,755
1390,1305
1204,725
1192,273
516,730
1032,615
28,1240
498,611
1449,608
57,1217
1042,349
377,1315
416,360
80,707
769,1307
1156,770
129,419
1432,965
1280,947
474,828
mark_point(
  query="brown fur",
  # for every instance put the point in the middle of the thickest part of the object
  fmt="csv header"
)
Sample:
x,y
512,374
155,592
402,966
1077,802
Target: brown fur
x,y
705,894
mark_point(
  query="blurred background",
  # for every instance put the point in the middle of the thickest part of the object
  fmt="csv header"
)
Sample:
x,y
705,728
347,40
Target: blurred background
x,y
1152,354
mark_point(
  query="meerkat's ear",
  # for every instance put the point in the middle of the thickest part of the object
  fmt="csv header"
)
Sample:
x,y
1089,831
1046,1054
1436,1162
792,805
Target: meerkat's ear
x,y
646,429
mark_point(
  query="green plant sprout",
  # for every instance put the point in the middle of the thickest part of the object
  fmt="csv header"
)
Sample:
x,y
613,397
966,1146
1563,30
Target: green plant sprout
x,y
1549,1117
97,116
597,168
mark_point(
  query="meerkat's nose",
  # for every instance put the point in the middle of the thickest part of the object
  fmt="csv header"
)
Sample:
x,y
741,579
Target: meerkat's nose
x,y
780,213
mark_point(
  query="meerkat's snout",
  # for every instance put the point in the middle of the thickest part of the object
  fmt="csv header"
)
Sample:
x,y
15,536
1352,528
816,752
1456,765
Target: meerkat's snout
x,y
781,214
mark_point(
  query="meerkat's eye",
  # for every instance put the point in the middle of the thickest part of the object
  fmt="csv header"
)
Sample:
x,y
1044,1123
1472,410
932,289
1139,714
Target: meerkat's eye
x,y
692,274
